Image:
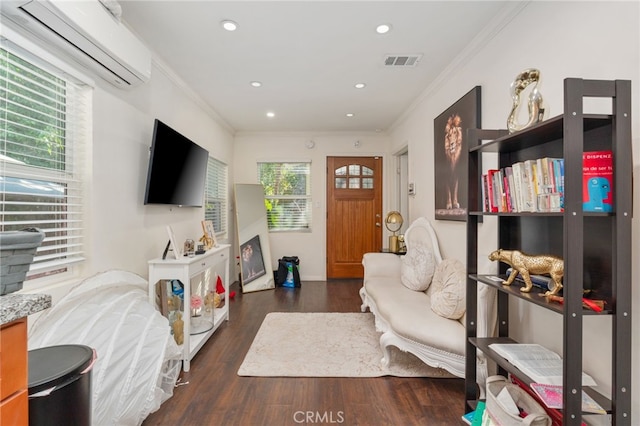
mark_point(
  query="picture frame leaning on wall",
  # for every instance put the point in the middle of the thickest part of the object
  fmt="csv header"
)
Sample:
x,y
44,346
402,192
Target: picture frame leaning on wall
x,y
209,234
177,251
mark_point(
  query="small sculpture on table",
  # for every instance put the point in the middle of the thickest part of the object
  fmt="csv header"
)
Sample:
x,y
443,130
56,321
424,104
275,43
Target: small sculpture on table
x,y
207,241
212,300
178,328
525,265
209,237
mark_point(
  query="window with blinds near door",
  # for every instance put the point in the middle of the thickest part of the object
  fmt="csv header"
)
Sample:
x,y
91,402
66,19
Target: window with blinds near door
x,y
43,127
287,191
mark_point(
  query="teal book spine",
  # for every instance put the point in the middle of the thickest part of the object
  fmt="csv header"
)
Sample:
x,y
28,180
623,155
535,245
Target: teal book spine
x,y
477,418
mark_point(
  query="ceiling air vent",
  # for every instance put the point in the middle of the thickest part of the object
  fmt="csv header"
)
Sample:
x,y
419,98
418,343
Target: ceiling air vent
x,y
402,60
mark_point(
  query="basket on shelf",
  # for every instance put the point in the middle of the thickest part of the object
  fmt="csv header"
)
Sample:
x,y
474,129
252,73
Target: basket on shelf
x,y
17,249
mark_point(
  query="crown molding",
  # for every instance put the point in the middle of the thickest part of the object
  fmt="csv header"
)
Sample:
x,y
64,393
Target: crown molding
x,y
495,27
184,88
310,133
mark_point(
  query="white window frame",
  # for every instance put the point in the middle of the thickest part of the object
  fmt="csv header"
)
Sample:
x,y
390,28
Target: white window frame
x,y
216,196
301,222
61,252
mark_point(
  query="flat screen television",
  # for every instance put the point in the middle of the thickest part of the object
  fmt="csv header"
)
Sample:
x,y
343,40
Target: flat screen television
x,y
177,169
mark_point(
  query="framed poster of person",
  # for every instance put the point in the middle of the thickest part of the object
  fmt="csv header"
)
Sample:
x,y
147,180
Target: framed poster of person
x,y
252,260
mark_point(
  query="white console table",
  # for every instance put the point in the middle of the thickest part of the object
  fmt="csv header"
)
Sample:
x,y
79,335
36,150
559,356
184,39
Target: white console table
x,y
198,275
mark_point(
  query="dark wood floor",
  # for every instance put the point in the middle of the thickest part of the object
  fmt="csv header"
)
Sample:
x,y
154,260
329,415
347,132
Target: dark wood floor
x,y
216,395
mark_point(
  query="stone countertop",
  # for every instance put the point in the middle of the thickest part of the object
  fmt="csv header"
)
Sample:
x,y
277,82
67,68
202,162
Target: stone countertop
x,y
15,306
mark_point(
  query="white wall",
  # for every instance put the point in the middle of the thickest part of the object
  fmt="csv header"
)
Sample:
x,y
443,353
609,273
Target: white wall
x,y
121,232
594,40
125,233
253,147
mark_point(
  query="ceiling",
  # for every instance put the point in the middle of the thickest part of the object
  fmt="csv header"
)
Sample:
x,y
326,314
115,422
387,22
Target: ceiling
x,y
308,55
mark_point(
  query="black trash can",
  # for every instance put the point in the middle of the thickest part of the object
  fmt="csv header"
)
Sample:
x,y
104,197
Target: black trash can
x,y
60,385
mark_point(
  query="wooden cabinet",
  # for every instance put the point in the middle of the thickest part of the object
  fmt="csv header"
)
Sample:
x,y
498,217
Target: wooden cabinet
x,y
14,403
194,276
595,246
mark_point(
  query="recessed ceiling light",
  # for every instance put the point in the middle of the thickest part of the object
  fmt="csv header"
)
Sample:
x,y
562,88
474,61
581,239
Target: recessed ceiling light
x,y
350,114
383,28
256,84
271,114
229,25
359,85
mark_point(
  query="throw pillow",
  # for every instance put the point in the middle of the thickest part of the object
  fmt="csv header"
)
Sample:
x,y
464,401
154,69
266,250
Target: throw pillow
x,y
448,289
418,267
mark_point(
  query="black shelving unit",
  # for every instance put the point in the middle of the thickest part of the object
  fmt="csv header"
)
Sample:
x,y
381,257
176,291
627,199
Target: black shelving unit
x,y
596,247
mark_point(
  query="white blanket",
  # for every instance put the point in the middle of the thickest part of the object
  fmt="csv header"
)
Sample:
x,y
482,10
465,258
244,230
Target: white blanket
x,y
138,360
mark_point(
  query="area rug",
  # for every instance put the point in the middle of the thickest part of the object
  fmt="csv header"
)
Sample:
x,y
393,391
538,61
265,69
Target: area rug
x,y
290,344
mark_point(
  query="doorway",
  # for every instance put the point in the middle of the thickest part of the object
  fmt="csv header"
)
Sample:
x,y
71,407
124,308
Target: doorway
x,y
354,213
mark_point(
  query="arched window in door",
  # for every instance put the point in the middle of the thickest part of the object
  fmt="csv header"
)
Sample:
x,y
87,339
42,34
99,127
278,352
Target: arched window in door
x,y
353,176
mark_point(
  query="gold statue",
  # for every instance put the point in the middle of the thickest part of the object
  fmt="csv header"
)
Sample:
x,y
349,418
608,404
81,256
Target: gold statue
x,y
207,241
208,302
536,111
212,300
178,328
173,303
525,264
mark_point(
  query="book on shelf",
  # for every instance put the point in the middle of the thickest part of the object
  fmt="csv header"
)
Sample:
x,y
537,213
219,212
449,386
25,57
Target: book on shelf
x,y
558,173
543,173
553,178
468,418
522,186
539,363
485,193
493,190
555,414
539,176
551,396
540,281
597,181
516,172
498,190
510,183
529,185
536,180
551,173
507,204
525,186
479,414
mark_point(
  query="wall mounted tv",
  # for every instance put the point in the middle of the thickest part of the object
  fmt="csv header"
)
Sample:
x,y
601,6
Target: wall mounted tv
x,y
177,169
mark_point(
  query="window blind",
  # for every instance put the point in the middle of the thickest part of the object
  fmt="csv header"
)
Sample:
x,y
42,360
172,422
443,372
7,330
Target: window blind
x,y
287,189
43,127
216,195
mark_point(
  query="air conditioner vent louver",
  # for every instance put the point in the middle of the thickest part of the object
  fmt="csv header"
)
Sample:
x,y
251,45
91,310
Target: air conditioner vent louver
x,y
402,60
85,32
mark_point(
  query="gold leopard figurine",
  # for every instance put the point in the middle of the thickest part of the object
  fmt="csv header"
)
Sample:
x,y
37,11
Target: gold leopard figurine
x,y
525,264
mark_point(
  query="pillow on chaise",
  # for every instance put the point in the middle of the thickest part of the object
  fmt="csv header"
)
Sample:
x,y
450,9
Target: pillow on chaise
x,y
418,267
448,287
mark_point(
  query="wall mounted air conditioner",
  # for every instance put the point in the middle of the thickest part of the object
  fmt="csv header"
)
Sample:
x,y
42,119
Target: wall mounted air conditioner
x,y
87,33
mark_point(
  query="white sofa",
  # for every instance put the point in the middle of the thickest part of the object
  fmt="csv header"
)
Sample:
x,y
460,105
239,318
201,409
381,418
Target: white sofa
x,y
405,316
